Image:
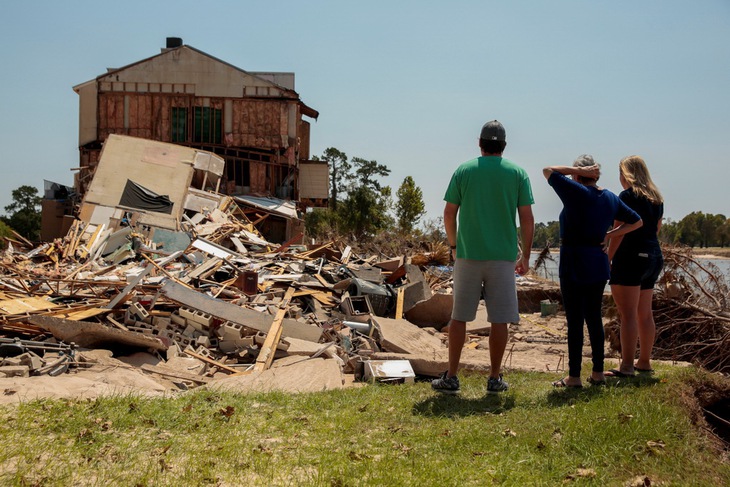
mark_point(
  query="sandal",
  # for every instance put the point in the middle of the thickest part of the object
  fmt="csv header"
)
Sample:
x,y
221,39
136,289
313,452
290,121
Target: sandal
x,y
595,382
562,384
618,373
644,371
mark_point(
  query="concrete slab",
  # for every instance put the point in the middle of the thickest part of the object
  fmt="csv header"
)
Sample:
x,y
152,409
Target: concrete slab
x,y
402,336
290,374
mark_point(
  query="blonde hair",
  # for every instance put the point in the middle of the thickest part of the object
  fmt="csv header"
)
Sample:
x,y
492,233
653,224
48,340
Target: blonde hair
x,y
636,174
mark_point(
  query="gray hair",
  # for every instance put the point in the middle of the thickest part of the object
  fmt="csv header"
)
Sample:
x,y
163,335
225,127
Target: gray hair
x,y
586,160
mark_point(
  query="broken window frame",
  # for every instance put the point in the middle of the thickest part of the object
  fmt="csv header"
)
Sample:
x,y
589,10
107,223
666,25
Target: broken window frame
x,y
207,125
178,124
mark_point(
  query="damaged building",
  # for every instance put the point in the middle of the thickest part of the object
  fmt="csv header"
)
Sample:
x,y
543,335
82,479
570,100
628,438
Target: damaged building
x,y
254,122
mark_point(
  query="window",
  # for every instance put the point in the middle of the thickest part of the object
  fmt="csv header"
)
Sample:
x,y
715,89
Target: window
x,y
237,170
208,125
179,124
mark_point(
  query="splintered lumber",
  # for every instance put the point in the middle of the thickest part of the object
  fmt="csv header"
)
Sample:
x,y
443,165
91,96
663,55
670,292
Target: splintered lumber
x,y
90,243
308,253
94,335
71,236
121,297
236,314
289,243
203,270
159,268
268,349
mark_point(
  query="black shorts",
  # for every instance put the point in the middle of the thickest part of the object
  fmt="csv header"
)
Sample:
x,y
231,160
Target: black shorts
x,y
640,269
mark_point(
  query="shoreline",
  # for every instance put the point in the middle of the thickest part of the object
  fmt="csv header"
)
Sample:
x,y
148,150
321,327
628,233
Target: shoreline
x,y
711,256
724,254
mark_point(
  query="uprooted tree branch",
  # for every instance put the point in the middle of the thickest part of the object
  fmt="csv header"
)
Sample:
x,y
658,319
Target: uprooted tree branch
x,y
690,311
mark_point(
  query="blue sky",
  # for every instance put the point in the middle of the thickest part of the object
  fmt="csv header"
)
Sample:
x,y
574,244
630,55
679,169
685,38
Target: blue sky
x,y
409,83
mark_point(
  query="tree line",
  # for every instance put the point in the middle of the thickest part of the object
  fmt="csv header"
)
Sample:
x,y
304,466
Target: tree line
x,y
694,230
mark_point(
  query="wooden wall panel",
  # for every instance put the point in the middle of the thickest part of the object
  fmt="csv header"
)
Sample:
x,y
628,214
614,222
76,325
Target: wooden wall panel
x,y
258,123
258,177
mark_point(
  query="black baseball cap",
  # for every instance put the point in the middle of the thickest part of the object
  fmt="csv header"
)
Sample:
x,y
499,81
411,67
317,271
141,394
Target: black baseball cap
x,y
493,131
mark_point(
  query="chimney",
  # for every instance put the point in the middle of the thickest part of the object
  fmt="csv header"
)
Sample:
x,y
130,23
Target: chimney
x,y
173,42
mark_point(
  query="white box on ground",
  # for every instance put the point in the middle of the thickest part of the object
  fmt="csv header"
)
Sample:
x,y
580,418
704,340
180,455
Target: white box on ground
x,y
387,370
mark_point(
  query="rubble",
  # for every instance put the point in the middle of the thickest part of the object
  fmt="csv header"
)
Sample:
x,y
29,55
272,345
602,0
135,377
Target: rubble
x,y
202,298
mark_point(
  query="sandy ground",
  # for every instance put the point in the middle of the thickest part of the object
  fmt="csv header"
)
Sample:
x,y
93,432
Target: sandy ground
x,y
537,344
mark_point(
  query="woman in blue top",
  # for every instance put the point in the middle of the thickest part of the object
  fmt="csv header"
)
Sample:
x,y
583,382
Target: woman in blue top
x,y
587,215
636,262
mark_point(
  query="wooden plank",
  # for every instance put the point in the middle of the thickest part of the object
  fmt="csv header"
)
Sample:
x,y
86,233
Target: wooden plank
x,y
210,361
166,372
346,255
399,304
124,295
76,240
324,298
25,305
80,314
167,274
268,349
323,281
236,314
308,253
72,236
289,243
117,324
200,272
85,249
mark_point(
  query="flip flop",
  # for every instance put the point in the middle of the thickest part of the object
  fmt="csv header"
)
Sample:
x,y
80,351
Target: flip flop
x,y
617,373
644,371
595,382
561,383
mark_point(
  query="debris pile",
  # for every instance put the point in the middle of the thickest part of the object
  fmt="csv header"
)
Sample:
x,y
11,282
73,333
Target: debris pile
x,y
691,312
227,306
192,284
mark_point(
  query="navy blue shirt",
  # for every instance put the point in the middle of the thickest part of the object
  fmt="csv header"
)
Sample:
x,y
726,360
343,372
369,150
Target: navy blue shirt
x,y
588,213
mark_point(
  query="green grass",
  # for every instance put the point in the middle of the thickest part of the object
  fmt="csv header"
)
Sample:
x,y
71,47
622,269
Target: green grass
x,y
399,435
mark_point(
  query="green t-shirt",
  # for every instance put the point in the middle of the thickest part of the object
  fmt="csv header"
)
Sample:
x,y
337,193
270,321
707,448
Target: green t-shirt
x,y
488,191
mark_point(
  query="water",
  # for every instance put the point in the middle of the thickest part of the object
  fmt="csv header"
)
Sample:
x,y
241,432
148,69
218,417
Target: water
x,y
551,266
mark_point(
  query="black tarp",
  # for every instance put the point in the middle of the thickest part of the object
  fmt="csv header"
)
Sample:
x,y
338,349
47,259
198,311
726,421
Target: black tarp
x,y
137,196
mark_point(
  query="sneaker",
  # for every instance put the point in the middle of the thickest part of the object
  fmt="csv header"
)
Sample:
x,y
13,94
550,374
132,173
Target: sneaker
x,y
495,386
446,384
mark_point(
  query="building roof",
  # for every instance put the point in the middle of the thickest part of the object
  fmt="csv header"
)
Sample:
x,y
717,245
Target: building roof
x,y
266,78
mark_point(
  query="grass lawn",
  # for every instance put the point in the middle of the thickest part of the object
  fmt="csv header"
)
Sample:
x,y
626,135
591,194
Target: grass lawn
x,y
631,432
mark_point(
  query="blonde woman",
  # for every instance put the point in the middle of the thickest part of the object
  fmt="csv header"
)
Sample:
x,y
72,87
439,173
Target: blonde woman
x,y
636,262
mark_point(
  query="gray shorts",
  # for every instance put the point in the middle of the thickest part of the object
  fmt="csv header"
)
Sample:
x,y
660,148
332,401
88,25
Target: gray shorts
x,y
493,280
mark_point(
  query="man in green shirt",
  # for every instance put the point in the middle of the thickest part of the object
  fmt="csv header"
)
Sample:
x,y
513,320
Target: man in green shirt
x,y
486,194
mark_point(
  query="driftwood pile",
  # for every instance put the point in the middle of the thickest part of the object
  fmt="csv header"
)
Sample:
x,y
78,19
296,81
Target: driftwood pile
x,y
691,311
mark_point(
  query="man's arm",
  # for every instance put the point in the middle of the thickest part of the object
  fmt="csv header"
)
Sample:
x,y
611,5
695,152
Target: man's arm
x,y
450,212
527,232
